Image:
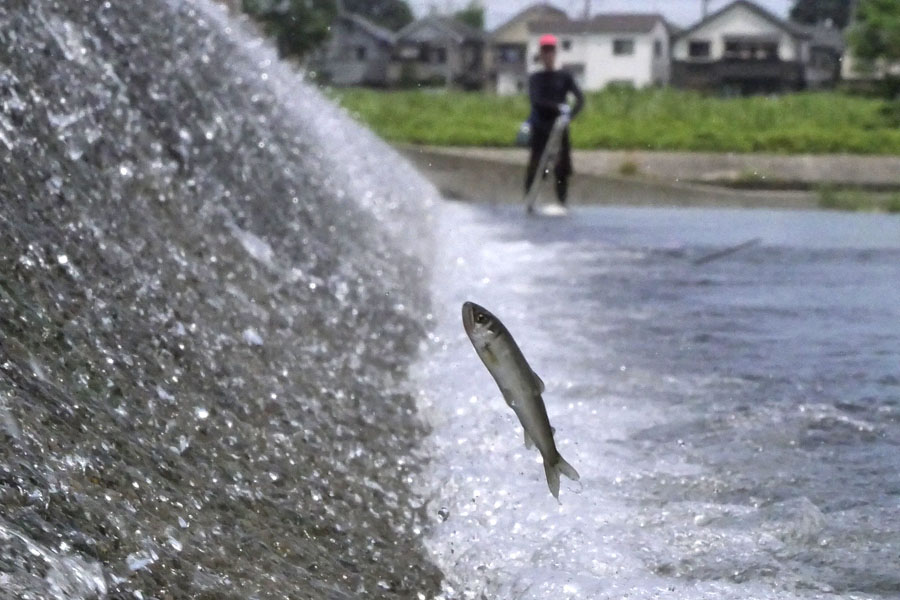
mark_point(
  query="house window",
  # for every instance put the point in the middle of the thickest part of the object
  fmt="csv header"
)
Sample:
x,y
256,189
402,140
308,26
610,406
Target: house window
x,y
657,48
566,45
361,53
409,52
623,47
751,50
439,55
699,49
512,55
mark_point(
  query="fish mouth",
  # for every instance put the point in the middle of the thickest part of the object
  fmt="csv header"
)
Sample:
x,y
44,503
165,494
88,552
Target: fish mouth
x,y
468,312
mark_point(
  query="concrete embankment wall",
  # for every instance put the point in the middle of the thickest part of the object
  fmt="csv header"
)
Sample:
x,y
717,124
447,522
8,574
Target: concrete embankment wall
x,y
674,178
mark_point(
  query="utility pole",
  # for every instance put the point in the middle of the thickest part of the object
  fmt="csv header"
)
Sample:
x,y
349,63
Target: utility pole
x,y
587,9
705,8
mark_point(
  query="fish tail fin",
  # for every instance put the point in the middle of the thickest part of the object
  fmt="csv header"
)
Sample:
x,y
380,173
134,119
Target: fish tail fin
x,y
552,471
552,474
567,469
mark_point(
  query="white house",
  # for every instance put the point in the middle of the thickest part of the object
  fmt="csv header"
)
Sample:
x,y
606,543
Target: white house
x,y
358,52
507,59
435,48
622,49
741,49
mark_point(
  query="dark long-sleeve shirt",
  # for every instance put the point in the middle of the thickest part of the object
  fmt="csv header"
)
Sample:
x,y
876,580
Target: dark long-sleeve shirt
x,y
547,90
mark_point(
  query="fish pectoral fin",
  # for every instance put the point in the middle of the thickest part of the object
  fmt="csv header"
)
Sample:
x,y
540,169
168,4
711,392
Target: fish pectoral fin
x,y
529,443
538,382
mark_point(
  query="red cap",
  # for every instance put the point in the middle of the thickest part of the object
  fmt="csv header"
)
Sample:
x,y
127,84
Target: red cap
x,y
548,40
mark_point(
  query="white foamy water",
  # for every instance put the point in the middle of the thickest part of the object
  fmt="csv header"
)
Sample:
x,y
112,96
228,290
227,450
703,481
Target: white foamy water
x,y
734,428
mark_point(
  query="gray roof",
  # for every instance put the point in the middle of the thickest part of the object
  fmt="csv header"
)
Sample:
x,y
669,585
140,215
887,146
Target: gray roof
x,y
824,37
378,32
788,26
453,28
534,7
603,23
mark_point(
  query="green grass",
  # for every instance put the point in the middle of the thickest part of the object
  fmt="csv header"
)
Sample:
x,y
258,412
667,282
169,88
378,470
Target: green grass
x,y
659,119
858,200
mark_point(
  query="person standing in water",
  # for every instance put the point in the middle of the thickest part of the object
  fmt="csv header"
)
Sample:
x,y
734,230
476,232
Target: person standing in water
x,y
548,91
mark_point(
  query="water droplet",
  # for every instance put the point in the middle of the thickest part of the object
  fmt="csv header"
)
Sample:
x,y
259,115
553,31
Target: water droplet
x,y
136,561
252,337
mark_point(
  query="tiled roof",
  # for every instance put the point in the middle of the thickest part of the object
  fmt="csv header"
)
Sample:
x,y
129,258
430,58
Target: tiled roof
x,y
824,37
452,26
788,26
376,31
543,6
603,23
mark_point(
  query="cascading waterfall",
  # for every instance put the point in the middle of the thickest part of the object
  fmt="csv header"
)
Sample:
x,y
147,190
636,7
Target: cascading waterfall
x,y
211,287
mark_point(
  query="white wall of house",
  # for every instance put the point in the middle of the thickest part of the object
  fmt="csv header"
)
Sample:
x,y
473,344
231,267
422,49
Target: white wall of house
x,y
597,64
509,83
661,60
739,21
851,71
511,78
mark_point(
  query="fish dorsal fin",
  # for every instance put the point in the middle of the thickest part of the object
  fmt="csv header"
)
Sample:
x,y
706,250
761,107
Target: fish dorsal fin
x,y
529,444
538,382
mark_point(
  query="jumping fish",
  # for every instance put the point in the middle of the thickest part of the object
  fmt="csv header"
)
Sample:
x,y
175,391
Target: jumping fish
x,y
520,386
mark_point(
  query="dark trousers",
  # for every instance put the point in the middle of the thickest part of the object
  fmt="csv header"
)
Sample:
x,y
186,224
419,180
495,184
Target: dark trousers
x,y
563,168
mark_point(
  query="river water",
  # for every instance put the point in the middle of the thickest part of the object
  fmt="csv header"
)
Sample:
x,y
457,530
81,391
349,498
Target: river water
x,y
735,423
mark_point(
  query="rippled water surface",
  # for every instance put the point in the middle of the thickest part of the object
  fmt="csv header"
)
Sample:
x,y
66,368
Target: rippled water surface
x,y
735,423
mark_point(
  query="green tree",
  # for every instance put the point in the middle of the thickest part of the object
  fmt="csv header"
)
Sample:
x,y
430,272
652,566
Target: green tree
x,y
472,15
298,26
875,34
392,14
818,11
874,37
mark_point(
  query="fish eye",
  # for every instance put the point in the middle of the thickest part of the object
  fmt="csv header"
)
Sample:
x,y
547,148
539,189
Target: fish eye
x,y
480,317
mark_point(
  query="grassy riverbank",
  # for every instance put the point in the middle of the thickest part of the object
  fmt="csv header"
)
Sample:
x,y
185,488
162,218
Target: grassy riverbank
x,y
858,200
662,119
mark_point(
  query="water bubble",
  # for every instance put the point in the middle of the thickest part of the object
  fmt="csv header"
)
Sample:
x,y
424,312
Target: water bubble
x,y
252,337
137,561
444,513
